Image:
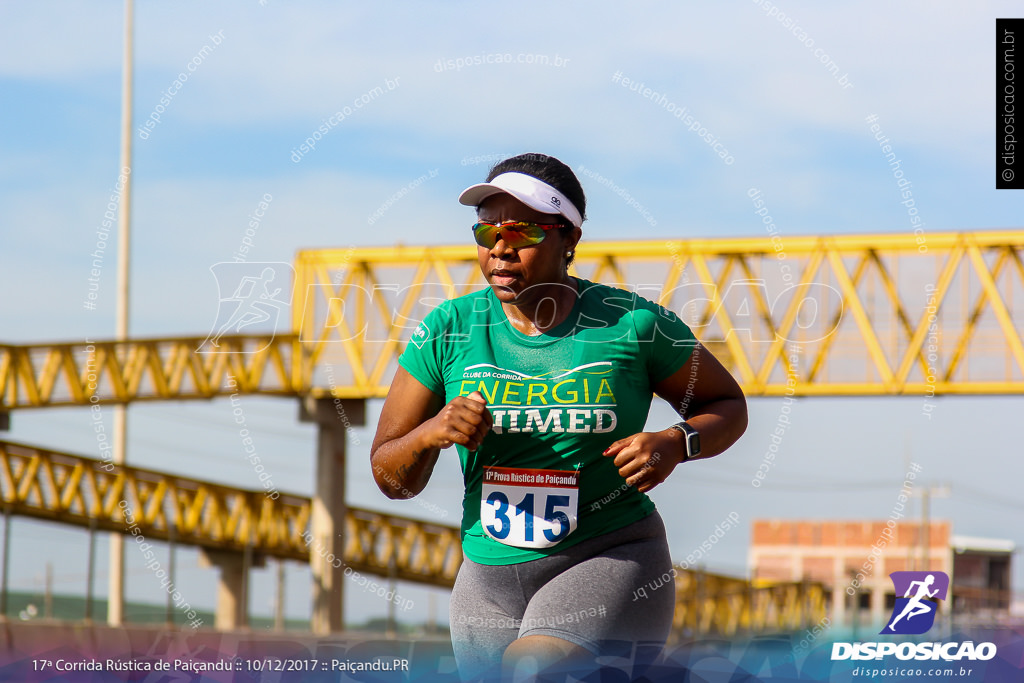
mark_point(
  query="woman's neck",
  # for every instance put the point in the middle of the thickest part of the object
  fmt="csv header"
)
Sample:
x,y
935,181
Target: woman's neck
x,y
549,306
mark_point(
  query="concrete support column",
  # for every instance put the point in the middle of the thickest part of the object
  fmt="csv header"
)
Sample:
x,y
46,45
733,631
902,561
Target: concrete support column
x,y
878,612
327,520
839,598
232,587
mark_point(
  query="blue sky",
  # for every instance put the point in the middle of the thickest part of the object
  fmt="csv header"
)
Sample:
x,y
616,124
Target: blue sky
x,y
279,72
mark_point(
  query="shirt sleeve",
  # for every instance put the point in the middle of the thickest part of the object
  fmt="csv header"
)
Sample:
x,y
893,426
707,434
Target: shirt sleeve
x,y
423,357
666,342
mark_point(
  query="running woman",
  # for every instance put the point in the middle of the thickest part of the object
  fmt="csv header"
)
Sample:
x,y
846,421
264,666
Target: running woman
x,y
543,383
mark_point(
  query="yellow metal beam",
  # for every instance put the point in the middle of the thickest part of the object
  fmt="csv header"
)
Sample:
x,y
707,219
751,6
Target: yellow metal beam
x,y
714,604
85,492
84,373
858,309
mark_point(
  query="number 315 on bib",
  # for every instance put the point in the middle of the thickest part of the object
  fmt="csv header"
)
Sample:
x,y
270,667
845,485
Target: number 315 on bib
x,y
529,508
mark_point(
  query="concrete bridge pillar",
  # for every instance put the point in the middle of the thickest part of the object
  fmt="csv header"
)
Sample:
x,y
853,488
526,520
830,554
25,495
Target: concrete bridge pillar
x,y
232,611
327,520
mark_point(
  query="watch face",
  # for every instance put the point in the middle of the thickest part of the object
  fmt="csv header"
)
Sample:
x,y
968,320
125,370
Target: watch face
x,y
692,439
693,443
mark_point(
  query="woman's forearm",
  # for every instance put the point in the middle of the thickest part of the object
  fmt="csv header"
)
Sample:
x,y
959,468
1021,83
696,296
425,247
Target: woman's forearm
x,y
720,424
410,436
402,466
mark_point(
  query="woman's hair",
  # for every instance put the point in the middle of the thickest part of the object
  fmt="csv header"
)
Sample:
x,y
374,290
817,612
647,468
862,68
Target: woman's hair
x,y
551,171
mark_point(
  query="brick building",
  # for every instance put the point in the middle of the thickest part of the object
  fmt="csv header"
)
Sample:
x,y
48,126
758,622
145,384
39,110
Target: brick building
x,y
853,558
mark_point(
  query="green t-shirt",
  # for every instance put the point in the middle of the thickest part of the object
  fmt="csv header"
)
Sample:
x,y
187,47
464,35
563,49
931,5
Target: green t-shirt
x,y
558,400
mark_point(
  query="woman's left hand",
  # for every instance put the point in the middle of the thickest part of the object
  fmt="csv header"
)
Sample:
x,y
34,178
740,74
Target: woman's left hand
x,y
646,459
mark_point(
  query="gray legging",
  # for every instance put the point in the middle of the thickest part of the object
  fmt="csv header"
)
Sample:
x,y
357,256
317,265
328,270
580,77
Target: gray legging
x,y
586,595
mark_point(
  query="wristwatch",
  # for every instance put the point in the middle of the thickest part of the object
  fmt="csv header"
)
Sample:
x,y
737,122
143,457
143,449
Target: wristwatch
x,y
692,439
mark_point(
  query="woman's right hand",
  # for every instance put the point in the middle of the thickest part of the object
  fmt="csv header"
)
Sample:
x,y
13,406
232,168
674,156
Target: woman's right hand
x,y
464,421
414,425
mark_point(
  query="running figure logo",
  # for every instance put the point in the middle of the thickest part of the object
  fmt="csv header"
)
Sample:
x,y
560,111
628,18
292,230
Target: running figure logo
x,y
914,613
254,305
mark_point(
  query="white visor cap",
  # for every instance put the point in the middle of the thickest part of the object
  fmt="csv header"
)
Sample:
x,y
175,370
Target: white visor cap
x,y
535,193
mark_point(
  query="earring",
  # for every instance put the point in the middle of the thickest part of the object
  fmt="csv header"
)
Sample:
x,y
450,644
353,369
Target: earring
x,y
568,254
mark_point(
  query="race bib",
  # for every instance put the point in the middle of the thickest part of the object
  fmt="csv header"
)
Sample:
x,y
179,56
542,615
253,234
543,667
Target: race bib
x,y
529,508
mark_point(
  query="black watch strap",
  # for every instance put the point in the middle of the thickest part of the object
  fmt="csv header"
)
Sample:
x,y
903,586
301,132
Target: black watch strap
x,y
690,437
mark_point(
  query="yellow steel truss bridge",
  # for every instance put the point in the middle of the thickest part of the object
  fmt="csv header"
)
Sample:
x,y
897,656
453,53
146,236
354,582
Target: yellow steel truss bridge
x,y
83,491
